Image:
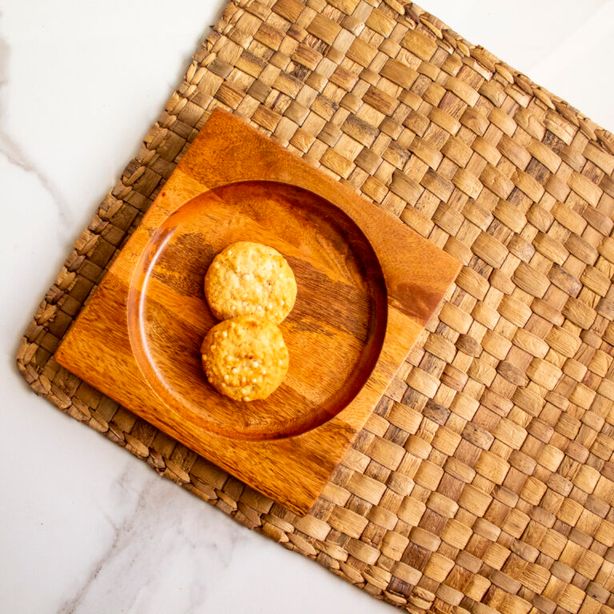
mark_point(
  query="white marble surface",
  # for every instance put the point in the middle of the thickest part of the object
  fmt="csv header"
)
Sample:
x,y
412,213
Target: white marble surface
x,y
85,527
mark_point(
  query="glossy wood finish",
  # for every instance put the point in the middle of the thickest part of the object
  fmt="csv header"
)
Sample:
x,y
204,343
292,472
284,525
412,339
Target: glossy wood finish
x,y
334,333
367,285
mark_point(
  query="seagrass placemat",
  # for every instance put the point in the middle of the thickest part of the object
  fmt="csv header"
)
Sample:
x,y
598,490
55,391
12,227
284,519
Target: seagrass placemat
x,y
485,479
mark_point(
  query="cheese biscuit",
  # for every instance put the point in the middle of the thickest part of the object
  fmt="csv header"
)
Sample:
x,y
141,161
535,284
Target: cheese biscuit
x,y
245,358
249,278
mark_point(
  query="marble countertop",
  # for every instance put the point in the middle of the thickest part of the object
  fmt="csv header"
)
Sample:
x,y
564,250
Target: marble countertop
x,y
84,526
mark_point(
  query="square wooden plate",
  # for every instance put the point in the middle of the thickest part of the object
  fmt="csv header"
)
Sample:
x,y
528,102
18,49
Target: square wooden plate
x,y
367,285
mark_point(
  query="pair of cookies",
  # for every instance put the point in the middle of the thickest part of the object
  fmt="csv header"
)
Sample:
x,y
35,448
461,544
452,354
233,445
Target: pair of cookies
x,y
252,288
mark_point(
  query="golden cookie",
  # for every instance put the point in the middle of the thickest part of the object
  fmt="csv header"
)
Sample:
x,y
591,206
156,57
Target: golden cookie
x,y
245,358
250,279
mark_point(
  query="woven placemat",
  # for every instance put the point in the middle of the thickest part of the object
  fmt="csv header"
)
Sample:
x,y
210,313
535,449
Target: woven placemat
x,y
485,479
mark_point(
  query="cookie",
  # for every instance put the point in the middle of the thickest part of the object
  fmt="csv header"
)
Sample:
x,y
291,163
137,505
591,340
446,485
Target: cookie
x,y
245,358
250,279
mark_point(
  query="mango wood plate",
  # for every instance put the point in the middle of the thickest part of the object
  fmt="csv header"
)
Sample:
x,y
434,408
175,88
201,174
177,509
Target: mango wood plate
x,y
366,286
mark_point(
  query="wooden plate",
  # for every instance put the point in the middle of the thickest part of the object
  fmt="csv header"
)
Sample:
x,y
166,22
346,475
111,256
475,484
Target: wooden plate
x,y
334,333
366,286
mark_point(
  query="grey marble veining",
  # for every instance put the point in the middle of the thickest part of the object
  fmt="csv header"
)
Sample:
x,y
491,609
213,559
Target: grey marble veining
x,y
149,536
11,150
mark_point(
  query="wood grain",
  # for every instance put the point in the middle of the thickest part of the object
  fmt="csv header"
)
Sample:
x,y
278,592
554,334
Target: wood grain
x,y
367,285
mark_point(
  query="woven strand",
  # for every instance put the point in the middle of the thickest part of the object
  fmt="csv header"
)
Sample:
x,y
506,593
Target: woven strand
x,y
484,481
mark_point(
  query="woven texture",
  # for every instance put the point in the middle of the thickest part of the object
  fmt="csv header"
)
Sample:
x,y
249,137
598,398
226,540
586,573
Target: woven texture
x,y
485,479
